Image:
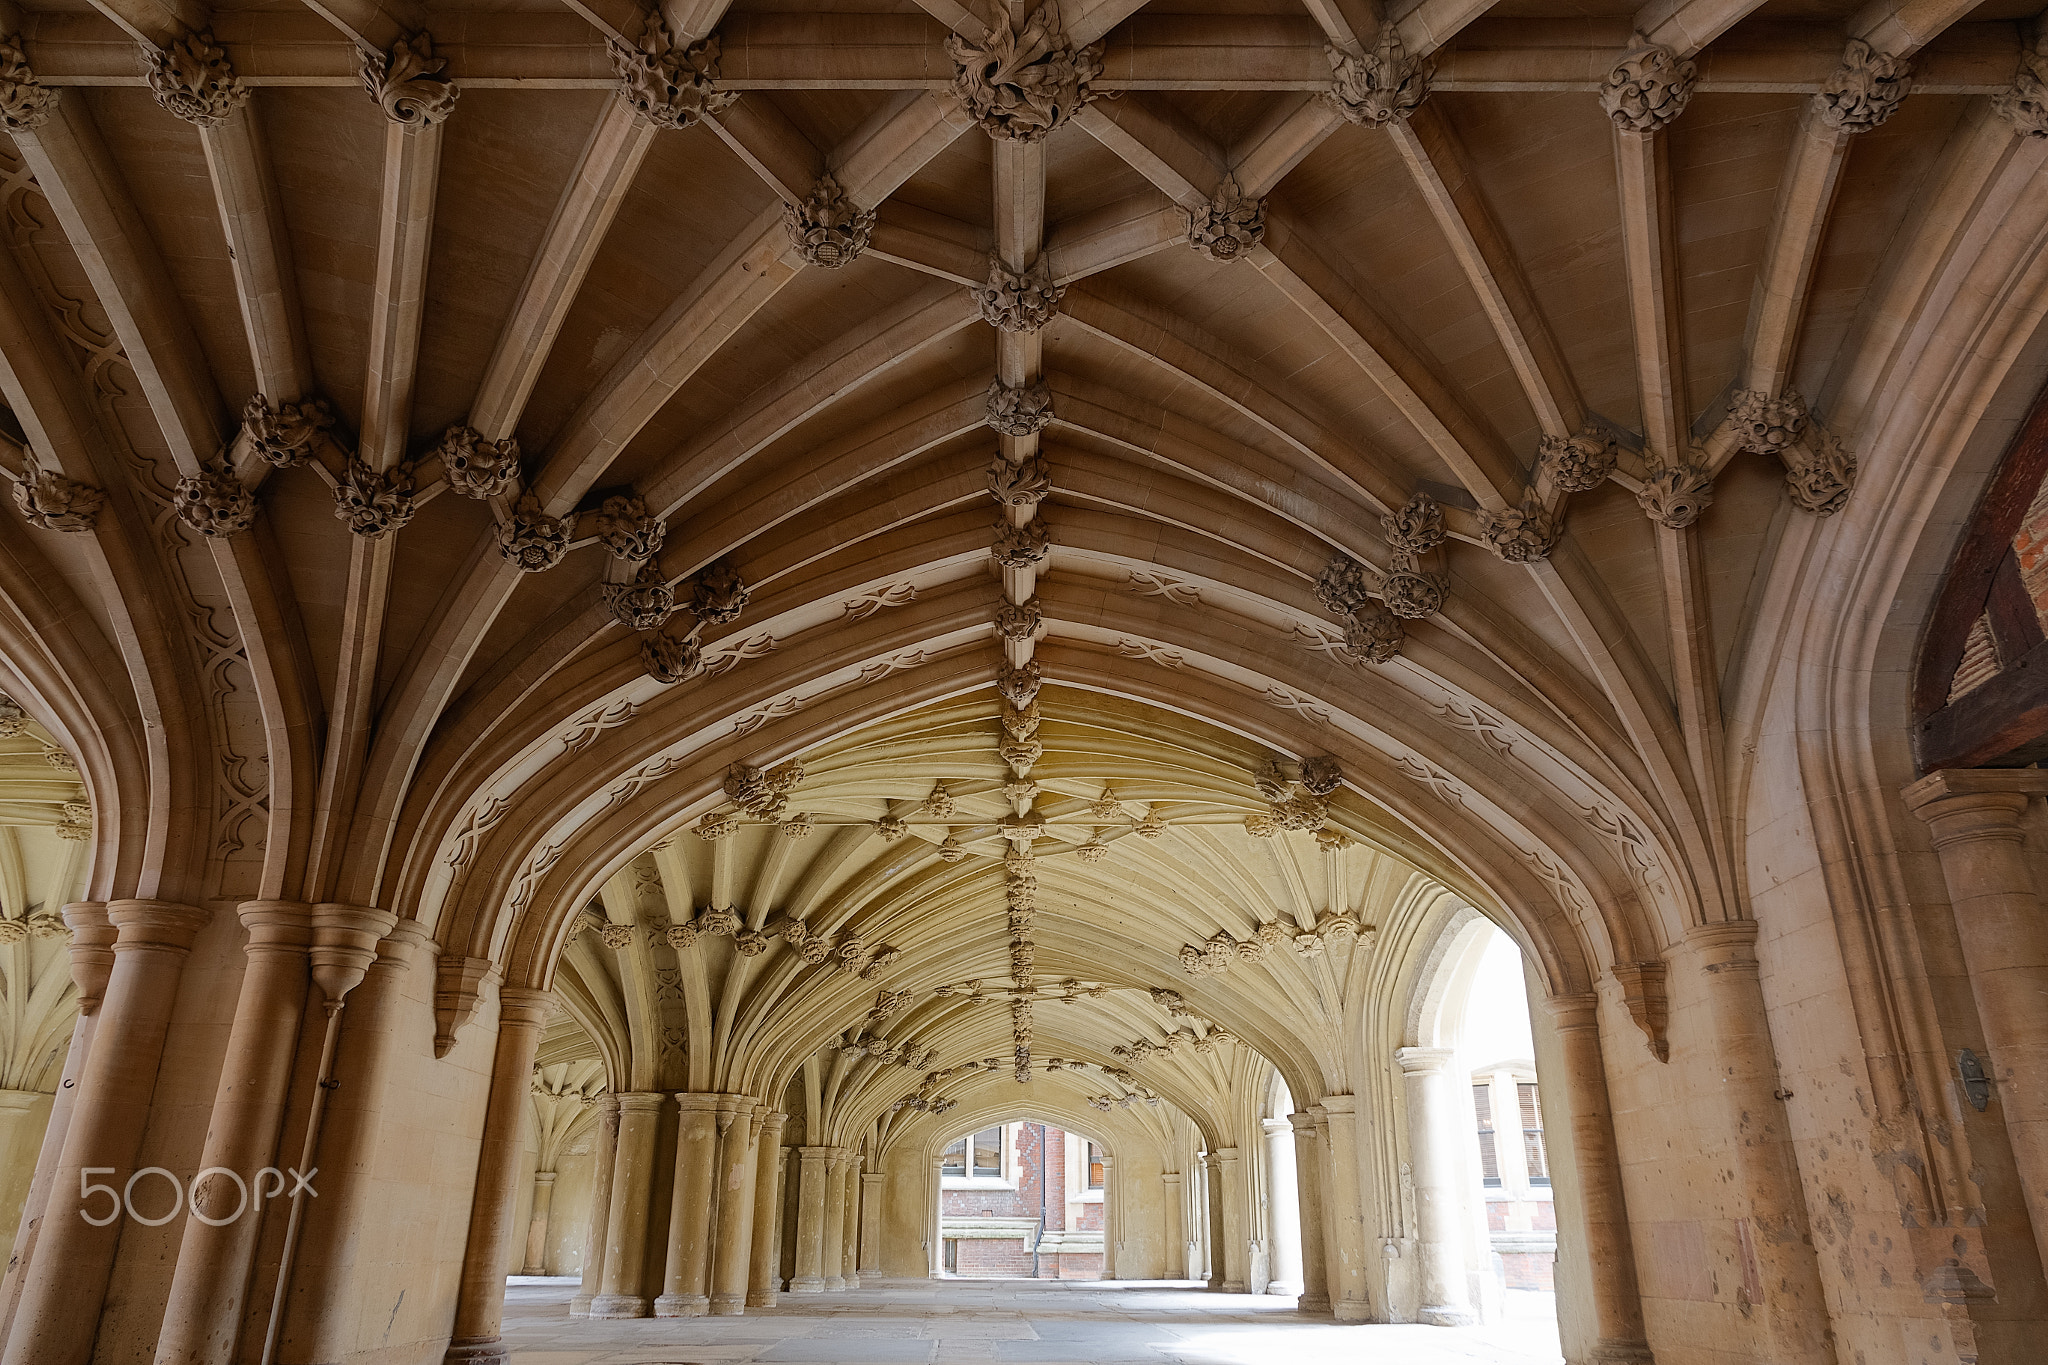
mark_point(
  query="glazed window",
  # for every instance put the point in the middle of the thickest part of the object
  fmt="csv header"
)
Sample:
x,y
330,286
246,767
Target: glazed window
x,y
1532,1135
1094,1167
1489,1158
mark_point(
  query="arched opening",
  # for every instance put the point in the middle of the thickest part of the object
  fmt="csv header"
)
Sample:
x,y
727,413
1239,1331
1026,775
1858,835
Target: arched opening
x,y
1024,1199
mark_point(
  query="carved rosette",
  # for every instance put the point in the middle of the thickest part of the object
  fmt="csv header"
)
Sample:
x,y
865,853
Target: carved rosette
x,y
1373,634
13,719
668,86
1020,547
1021,411
643,604
1024,483
1020,721
1412,595
1377,87
1229,225
719,595
530,540
1018,300
1648,88
762,792
25,102
1021,84
410,82
2023,104
828,229
191,78
214,503
1865,90
283,437
671,658
373,503
1767,425
1819,472
1578,463
890,828
477,468
51,502
1675,497
1415,527
628,531
1015,622
715,825
1345,586
1019,686
1521,535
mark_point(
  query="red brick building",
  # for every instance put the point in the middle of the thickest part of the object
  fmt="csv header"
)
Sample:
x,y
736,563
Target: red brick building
x,y
1022,1200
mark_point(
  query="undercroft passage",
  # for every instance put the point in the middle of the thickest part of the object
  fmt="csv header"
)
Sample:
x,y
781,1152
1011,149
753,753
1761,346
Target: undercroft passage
x,y
1225,682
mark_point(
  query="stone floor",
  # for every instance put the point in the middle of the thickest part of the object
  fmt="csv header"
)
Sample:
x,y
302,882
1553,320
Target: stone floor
x,y
1039,1322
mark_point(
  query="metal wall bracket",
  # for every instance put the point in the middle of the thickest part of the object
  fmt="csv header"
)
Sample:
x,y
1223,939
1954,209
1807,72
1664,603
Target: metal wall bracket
x,y
1976,1085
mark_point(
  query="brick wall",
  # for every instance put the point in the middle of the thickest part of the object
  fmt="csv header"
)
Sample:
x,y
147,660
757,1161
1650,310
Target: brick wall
x,y
989,1256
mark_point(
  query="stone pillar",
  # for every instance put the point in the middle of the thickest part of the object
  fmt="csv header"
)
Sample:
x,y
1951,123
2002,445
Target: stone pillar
x,y
874,1188
763,1277
203,1315
92,960
1347,1209
731,1248
935,1222
1213,1235
1610,1248
1433,1139
1975,817
1176,1226
1283,1206
66,1285
686,1291
1233,1229
24,1114
813,1202
537,1226
849,1234
835,1220
1112,1214
1313,1202
621,1292
480,1303
603,1159
1794,1313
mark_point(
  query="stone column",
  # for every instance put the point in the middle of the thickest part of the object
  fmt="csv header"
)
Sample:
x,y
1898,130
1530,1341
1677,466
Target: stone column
x,y
621,1294
763,1277
1610,1248
537,1225
849,1225
835,1220
732,1246
1433,1138
1347,1209
92,960
874,1188
813,1202
24,1115
1312,1201
1975,817
1794,1312
1213,1236
935,1222
66,1285
686,1291
480,1302
605,1140
1233,1193
1176,1226
1284,1221
1112,1214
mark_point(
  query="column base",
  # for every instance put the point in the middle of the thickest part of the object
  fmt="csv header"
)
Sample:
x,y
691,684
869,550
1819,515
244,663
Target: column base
x,y
1447,1317
1232,1286
618,1306
1353,1310
579,1307
476,1351
853,1281
806,1285
835,1283
728,1305
1612,1352
762,1298
534,1270
1312,1303
681,1306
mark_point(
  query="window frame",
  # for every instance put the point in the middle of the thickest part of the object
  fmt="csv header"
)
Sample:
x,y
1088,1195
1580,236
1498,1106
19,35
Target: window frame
x,y
1006,1146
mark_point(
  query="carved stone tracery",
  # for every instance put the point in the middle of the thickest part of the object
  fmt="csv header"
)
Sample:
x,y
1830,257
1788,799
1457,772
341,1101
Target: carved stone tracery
x,y
643,604
190,76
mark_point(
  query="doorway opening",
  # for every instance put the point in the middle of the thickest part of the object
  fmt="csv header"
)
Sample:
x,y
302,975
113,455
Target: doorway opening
x,y
1022,1200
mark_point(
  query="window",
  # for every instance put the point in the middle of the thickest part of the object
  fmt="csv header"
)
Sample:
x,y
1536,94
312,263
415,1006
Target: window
x,y
988,1152
1532,1135
1094,1167
1489,1159
954,1162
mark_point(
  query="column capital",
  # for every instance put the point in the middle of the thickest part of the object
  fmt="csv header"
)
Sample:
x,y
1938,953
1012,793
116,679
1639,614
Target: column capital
x,y
1725,945
872,1178
143,924
1338,1104
346,940
607,1104
544,1177
1303,1121
771,1123
276,925
1223,1154
92,951
697,1100
525,1006
1962,805
1571,1012
1424,1061
642,1102
1962,782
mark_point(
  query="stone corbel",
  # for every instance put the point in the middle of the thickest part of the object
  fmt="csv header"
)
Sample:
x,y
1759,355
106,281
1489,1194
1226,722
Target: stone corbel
x,y
92,951
345,939
458,994
191,77
1642,990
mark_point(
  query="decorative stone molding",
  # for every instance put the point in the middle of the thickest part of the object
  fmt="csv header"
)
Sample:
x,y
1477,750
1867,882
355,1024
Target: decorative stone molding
x,y
1415,527
643,604
1642,990
671,659
1335,932
373,503
13,719
950,850
1372,634
61,760
1020,722
1018,300
214,503
1229,225
1521,535
25,102
77,822
1578,463
1021,754
1675,497
628,531
890,828
799,826
668,86
51,502
191,78
617,937
1412,595
1022,410
1019,622
1345,585
762,792
1648,87
1865,90
283,437
1020,547
1019,686
1765,424
1021,84
715,825
1023,483
530,540
458,994
2023,104
1375,88
719,595
1820,472
939,804
828,229
477,468
411,82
